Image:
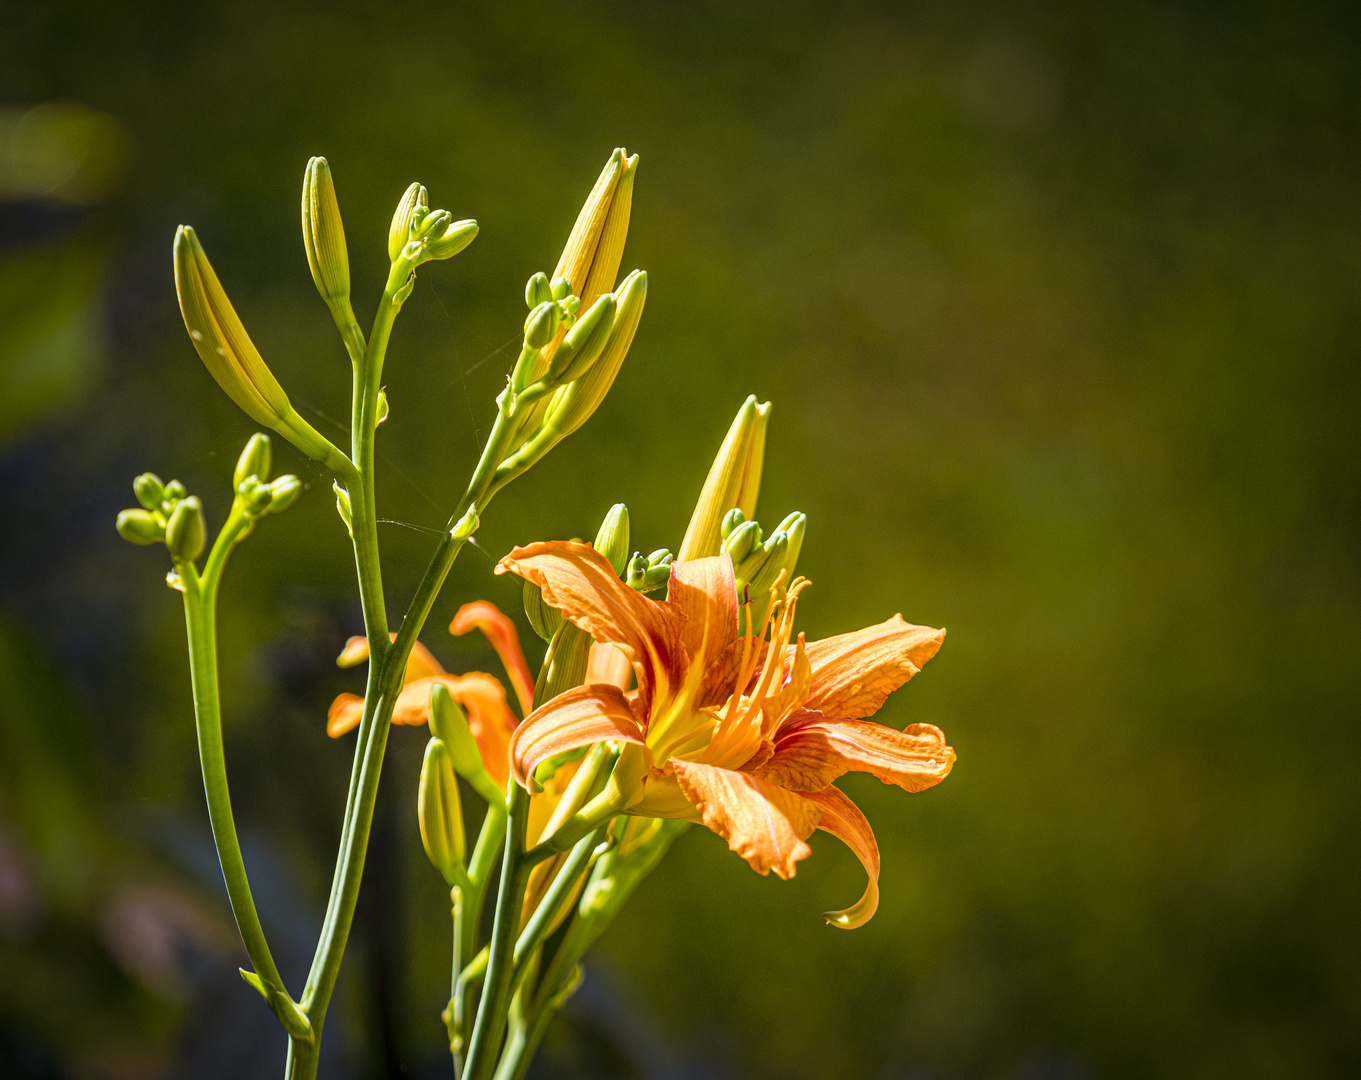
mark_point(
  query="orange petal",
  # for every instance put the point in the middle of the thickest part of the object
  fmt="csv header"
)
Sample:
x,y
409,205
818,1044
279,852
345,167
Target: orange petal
x,y
501,633
489,717
579,717
606,664
854,673
418,665
762,822
813,751
705,593
843,819
580,583
345,712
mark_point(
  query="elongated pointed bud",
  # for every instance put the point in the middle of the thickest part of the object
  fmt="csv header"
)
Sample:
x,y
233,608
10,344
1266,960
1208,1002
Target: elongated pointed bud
x,y
452,240
741,541
537,291
584,342
140,527
415,199
440,811
231,357
733,482
255,460
590,259
185,534
149,490
612,540
544,619
449,724
323,234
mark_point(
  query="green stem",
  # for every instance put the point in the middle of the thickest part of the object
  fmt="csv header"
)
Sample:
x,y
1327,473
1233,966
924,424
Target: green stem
x,y
200,614
485,1043
542,920
470,917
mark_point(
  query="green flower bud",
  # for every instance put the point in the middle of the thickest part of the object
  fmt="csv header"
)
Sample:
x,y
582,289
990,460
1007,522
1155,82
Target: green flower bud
x,y
323,234
343,507
185,534
400,232
255,460
731,520
657,576
543,618
284,492
175,491
537,290
584,343
637,569
149,490
256,496
793,526
561,288
449,724
454,239
139,527
741,542
541,327
433,224
660,557
440,811
612,540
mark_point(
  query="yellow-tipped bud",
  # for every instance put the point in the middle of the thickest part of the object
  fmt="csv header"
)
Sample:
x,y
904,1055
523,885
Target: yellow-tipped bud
x,y
323,234
440,811
734,481
414,200
590,260
231,357
255,460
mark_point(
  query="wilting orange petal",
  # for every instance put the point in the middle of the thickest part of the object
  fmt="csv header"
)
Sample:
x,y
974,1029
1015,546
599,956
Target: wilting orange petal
x,y
345,713
762,822
419,664
705,593
606,664
579,717
580,583
501,633
812,751
843,819
853,673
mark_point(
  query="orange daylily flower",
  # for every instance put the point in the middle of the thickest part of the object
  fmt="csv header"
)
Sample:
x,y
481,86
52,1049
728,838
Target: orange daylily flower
x,y
743,734
481,695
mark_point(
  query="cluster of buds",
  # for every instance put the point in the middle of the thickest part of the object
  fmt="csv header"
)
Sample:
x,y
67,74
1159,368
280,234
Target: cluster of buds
x,y
170,515
419,234
761,563
648,573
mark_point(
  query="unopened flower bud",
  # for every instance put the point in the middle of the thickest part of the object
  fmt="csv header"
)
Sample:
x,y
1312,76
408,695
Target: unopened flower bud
x,y
591,257
323,234
231,357
449,724
175,491
584,343
542,325
255,460
612,540
637,568
149,490
255,495
400,232
440,811
284,492
741,541
140,527
537,290
734,480
184,532
453,240
731,520
433,224
561,288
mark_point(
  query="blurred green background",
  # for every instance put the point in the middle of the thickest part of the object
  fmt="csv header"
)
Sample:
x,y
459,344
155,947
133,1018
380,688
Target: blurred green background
x,y
1060,310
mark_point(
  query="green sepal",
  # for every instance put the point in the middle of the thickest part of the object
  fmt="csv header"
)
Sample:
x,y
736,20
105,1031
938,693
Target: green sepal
x,y
343,507
285,1010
